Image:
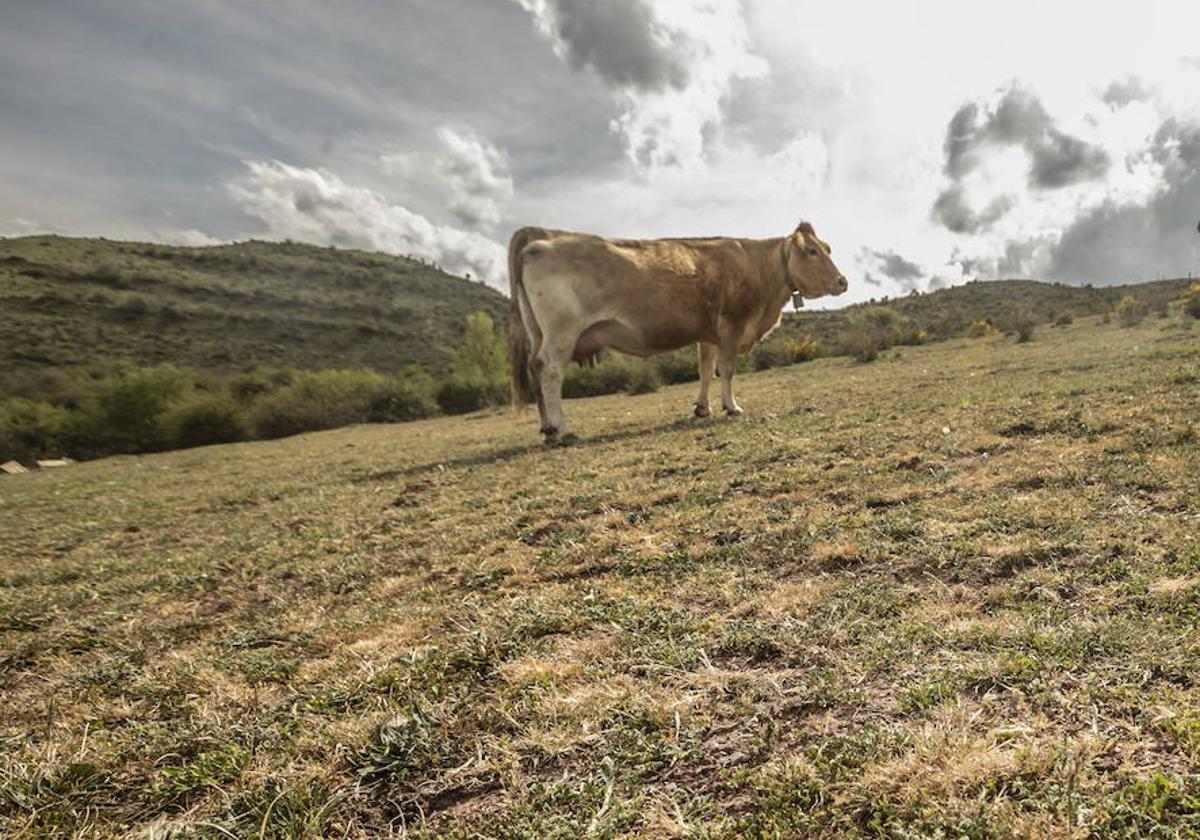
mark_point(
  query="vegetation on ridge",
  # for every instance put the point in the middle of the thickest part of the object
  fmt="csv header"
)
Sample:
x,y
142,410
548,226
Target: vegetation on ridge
x,y
113,347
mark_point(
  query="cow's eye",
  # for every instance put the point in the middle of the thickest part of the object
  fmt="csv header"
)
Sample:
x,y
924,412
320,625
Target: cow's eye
x,y
811,251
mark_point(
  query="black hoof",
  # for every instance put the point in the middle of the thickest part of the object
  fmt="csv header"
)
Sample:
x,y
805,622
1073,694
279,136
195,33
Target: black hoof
x,y
556,439
702,411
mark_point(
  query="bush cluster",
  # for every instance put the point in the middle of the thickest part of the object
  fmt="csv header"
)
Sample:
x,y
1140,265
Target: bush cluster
x,y
133,410
785,351
1130,311
982,329
873,329
1191,301
612,374
479,374
331,398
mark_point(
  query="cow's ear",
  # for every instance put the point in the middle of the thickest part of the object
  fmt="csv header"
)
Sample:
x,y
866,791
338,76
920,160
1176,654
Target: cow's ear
x,y
806,228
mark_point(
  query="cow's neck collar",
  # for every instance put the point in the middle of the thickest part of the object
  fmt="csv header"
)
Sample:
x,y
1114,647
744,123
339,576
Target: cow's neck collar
x,y
797,297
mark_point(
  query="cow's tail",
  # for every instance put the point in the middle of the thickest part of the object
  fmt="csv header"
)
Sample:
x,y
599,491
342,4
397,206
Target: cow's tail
x,y
518,335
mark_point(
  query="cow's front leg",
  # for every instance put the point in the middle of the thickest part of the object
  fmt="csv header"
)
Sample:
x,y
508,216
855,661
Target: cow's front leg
x,y
707,357
727,362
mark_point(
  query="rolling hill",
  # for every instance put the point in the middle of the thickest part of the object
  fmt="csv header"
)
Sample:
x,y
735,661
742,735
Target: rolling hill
x,y
75,302
947,313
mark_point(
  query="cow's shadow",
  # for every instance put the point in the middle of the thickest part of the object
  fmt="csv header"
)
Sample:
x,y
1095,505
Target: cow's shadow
x,y
497,456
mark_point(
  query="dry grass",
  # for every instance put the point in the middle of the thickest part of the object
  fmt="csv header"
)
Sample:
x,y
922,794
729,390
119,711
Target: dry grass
x,y
950,594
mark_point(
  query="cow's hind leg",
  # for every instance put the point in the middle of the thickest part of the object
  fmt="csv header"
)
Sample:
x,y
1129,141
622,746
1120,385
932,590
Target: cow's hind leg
x,y
552,359
727,364
534,334
707,357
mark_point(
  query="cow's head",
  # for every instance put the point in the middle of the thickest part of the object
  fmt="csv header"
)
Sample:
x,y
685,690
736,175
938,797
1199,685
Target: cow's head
x,y
810,264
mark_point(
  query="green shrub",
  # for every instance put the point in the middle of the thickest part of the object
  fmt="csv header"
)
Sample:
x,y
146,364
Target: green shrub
x,y
769,354
203,419
124,410
31,429
457,396
613,374
12,448
479,372
483,354
863,342
643,379
784,351
249,386
677,366
400,399
873,329
1192,307
1019,324
331,398
981,329
1130,311
1191,301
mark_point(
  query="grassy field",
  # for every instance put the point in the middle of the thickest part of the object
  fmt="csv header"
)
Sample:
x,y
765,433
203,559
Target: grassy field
x,y
953,593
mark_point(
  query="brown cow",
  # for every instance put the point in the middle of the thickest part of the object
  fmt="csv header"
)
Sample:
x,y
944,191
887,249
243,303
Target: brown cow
x,y
574,294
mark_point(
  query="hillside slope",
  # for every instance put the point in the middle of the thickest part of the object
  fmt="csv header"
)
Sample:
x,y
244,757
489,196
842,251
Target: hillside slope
x,y
71,302
950,594
946,313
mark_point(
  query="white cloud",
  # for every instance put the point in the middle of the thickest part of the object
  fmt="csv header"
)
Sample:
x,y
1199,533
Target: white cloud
x,y
189,237
801,167
21,226
476,175
881,82
314,205
670,75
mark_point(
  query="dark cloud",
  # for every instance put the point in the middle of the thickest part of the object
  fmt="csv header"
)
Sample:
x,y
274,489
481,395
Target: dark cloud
x,y
954,212
620,39
1119,243
1017,261
210,85
1060,160
1056,159
961,140
1123,91
904,274
1019,118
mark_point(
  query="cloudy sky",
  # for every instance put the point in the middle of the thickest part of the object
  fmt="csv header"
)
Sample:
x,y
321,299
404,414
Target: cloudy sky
x,y
930,143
